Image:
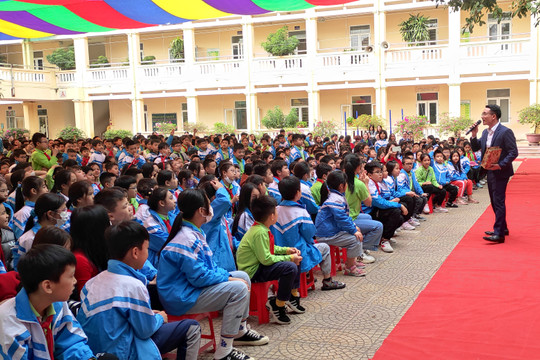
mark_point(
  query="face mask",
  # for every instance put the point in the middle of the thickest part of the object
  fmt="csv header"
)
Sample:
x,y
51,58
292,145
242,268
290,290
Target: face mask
x,y
227,180
64,217
210,215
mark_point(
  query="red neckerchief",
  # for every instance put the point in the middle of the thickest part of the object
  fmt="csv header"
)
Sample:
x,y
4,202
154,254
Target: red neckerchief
x,y
377,186
163,159
167,224
111,153
46,326
320,180
271,238
135,161
47,155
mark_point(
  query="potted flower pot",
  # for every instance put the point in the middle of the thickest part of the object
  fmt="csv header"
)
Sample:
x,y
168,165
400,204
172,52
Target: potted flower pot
x,y
533,139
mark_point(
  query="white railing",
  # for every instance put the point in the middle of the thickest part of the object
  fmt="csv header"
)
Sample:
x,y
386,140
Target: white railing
x,y
161,71
65,77
108,74
345,59
280,63
494,48
219,67
25,75
416,54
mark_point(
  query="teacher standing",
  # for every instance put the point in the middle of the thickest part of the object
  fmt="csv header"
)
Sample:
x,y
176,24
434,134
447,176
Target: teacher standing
x,y
498,174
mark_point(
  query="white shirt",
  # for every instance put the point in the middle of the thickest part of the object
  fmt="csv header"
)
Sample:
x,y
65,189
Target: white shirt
x,y
490,134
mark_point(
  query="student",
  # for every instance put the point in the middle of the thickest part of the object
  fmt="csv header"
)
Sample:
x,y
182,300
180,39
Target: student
x,y
47,276
129,328
263,261
31,189
228,174
459,178
425,176
159,222
131,158
389,213
168,179
153,145
383,141
164,154
190,282
42,158
335,227
85,152
4,195
112,167
97,156
81,193
204,151
443,178
389,191
50,209
302,171
238,156
107,180
280,170
8,244
244,218
210,166
322,170
145,187
409,186
224,152
53,235
129,183
62,181
298,152
294,228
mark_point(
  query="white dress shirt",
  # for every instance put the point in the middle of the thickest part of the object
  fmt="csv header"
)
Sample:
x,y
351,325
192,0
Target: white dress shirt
x,y
490,134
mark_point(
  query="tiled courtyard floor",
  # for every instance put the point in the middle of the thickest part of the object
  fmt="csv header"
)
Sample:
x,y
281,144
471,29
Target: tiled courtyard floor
x,y
352,323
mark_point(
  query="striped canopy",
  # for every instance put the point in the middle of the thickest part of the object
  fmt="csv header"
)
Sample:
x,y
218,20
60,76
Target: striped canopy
x,y
42,18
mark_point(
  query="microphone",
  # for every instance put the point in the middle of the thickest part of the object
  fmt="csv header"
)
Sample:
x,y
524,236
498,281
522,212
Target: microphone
x,y
475,125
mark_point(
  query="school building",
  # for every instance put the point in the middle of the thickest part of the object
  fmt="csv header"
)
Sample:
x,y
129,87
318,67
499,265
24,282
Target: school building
x,y
351,60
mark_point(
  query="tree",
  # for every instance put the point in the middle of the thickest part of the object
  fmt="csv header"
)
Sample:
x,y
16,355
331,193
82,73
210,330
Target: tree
x,y
414,30
478,8
279,43
177,49
276,119
64,58
453,125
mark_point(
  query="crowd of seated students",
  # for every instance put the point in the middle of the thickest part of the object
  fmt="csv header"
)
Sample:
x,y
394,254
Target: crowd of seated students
x,y
133,230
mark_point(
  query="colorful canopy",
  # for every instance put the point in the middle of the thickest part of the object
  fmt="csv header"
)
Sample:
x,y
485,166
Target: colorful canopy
x,y
42,18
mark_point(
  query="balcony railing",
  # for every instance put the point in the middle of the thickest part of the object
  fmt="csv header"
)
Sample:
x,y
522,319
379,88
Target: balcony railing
x,y
345,59
110,74
219,68
280,64
494,48
65,77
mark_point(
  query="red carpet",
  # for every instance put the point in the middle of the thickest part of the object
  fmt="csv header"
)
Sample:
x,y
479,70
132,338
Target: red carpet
x,y
484,302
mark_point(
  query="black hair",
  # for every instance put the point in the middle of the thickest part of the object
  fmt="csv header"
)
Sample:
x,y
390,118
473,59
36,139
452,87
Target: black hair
x,y
184,174
333,181
350,163
125,181
277,165
159,194
288,187
28,183
145,187
43,262
237,147
163,176
110,197
244,202
422,157
255,179
195,167
108,166
133,171
22,166
437,151
189,201
326,159
78,190
105,177
147,170
390,166
36,138
458,164
69,163
88,225
496,109
63,177
322,169
45,203
51,234
372,165
122,237
262,207
16,178
301,169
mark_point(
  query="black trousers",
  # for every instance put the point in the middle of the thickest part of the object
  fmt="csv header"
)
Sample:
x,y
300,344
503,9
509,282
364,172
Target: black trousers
x,y
438,194
410,204
497,194
452,190
474,174
390,218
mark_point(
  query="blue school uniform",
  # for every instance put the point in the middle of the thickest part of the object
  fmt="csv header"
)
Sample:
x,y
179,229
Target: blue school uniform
x,y
186,266
377,199
298,153
441,173
273,190
220,155
407,182
455,174
24,244
380,143
244,223
136,160
158,232
97,157
21,218
294,228
334,216
307,198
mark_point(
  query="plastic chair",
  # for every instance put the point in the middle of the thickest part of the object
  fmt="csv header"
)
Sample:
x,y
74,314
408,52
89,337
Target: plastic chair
x,y
338,256
259,296
307,281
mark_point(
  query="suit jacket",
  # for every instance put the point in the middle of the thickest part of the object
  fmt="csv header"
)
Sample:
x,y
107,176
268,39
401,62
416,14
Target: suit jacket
x,y
505,139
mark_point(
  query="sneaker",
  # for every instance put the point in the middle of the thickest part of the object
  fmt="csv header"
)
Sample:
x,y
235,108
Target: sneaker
x,y
426,209
407,226
399,229
251,338
367,259
483,182
392,241
332,285
479,185
354,271
414,222
451,205
386,247
277,314
236,354
440,210
294,305
419,218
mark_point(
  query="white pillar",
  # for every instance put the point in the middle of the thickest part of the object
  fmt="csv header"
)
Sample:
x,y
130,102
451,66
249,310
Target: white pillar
x,y
381,101
192,108
252,112
30,116
28,54
84,116
189,45
379,54
311,33
454,84
81,59
535,62
454,100
314,108
137,115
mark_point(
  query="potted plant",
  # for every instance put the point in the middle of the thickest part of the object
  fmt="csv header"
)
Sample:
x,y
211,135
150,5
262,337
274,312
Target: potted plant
x,y
177,49
71,133
413,124
531,116
301,124
64,58
148,60
325,128
453,125
280,43
415,30
111,134
101,61
14,133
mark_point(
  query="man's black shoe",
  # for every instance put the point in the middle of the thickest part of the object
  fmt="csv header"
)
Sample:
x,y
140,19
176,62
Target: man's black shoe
x,y
495,238
506,233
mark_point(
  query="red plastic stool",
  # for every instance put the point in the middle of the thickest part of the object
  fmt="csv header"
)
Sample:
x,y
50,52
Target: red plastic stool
x,y
338,255
306,284
199,317
445,200
259,296
430,203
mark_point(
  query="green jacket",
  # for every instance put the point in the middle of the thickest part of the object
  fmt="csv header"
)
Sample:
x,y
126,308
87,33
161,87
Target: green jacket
x,y
423,175
254,249
42,160
316,192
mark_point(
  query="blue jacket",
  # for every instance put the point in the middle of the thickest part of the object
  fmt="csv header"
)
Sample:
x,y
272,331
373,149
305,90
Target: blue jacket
x,y
186,267
20,218
307,198
21,336
217,237
273,190
404,183
116,313
441,173
158,233
244,223
298,153
377,199
334,216
294,228
456,174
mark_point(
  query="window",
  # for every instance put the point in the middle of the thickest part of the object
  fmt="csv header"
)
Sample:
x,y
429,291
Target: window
x,y
500,97
237,47
303,110
11,120
360,37
184,113
432,30
427,105
240,113
301,49
361,105
38,60
465,109
141,51
499,30
163,118
43,121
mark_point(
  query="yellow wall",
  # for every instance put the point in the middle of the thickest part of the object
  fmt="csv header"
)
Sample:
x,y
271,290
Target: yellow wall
x,y
13,53
18,113
120,113
157,44
215,38
116,48
331,101
334,33
393,36
212,108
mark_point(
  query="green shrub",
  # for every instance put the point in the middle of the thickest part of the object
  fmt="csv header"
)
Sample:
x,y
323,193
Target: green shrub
x,y
111,134
71,133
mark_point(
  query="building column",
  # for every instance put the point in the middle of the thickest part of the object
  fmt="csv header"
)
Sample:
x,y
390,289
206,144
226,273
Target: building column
x,y
454,100
381,101
28,54
31,121
534,90
81,59
314,108
192,108
454,85
252,112
84,116
189,45
137,115
379,54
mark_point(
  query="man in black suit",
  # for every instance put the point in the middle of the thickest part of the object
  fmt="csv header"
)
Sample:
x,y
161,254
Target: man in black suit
x,y
498,174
